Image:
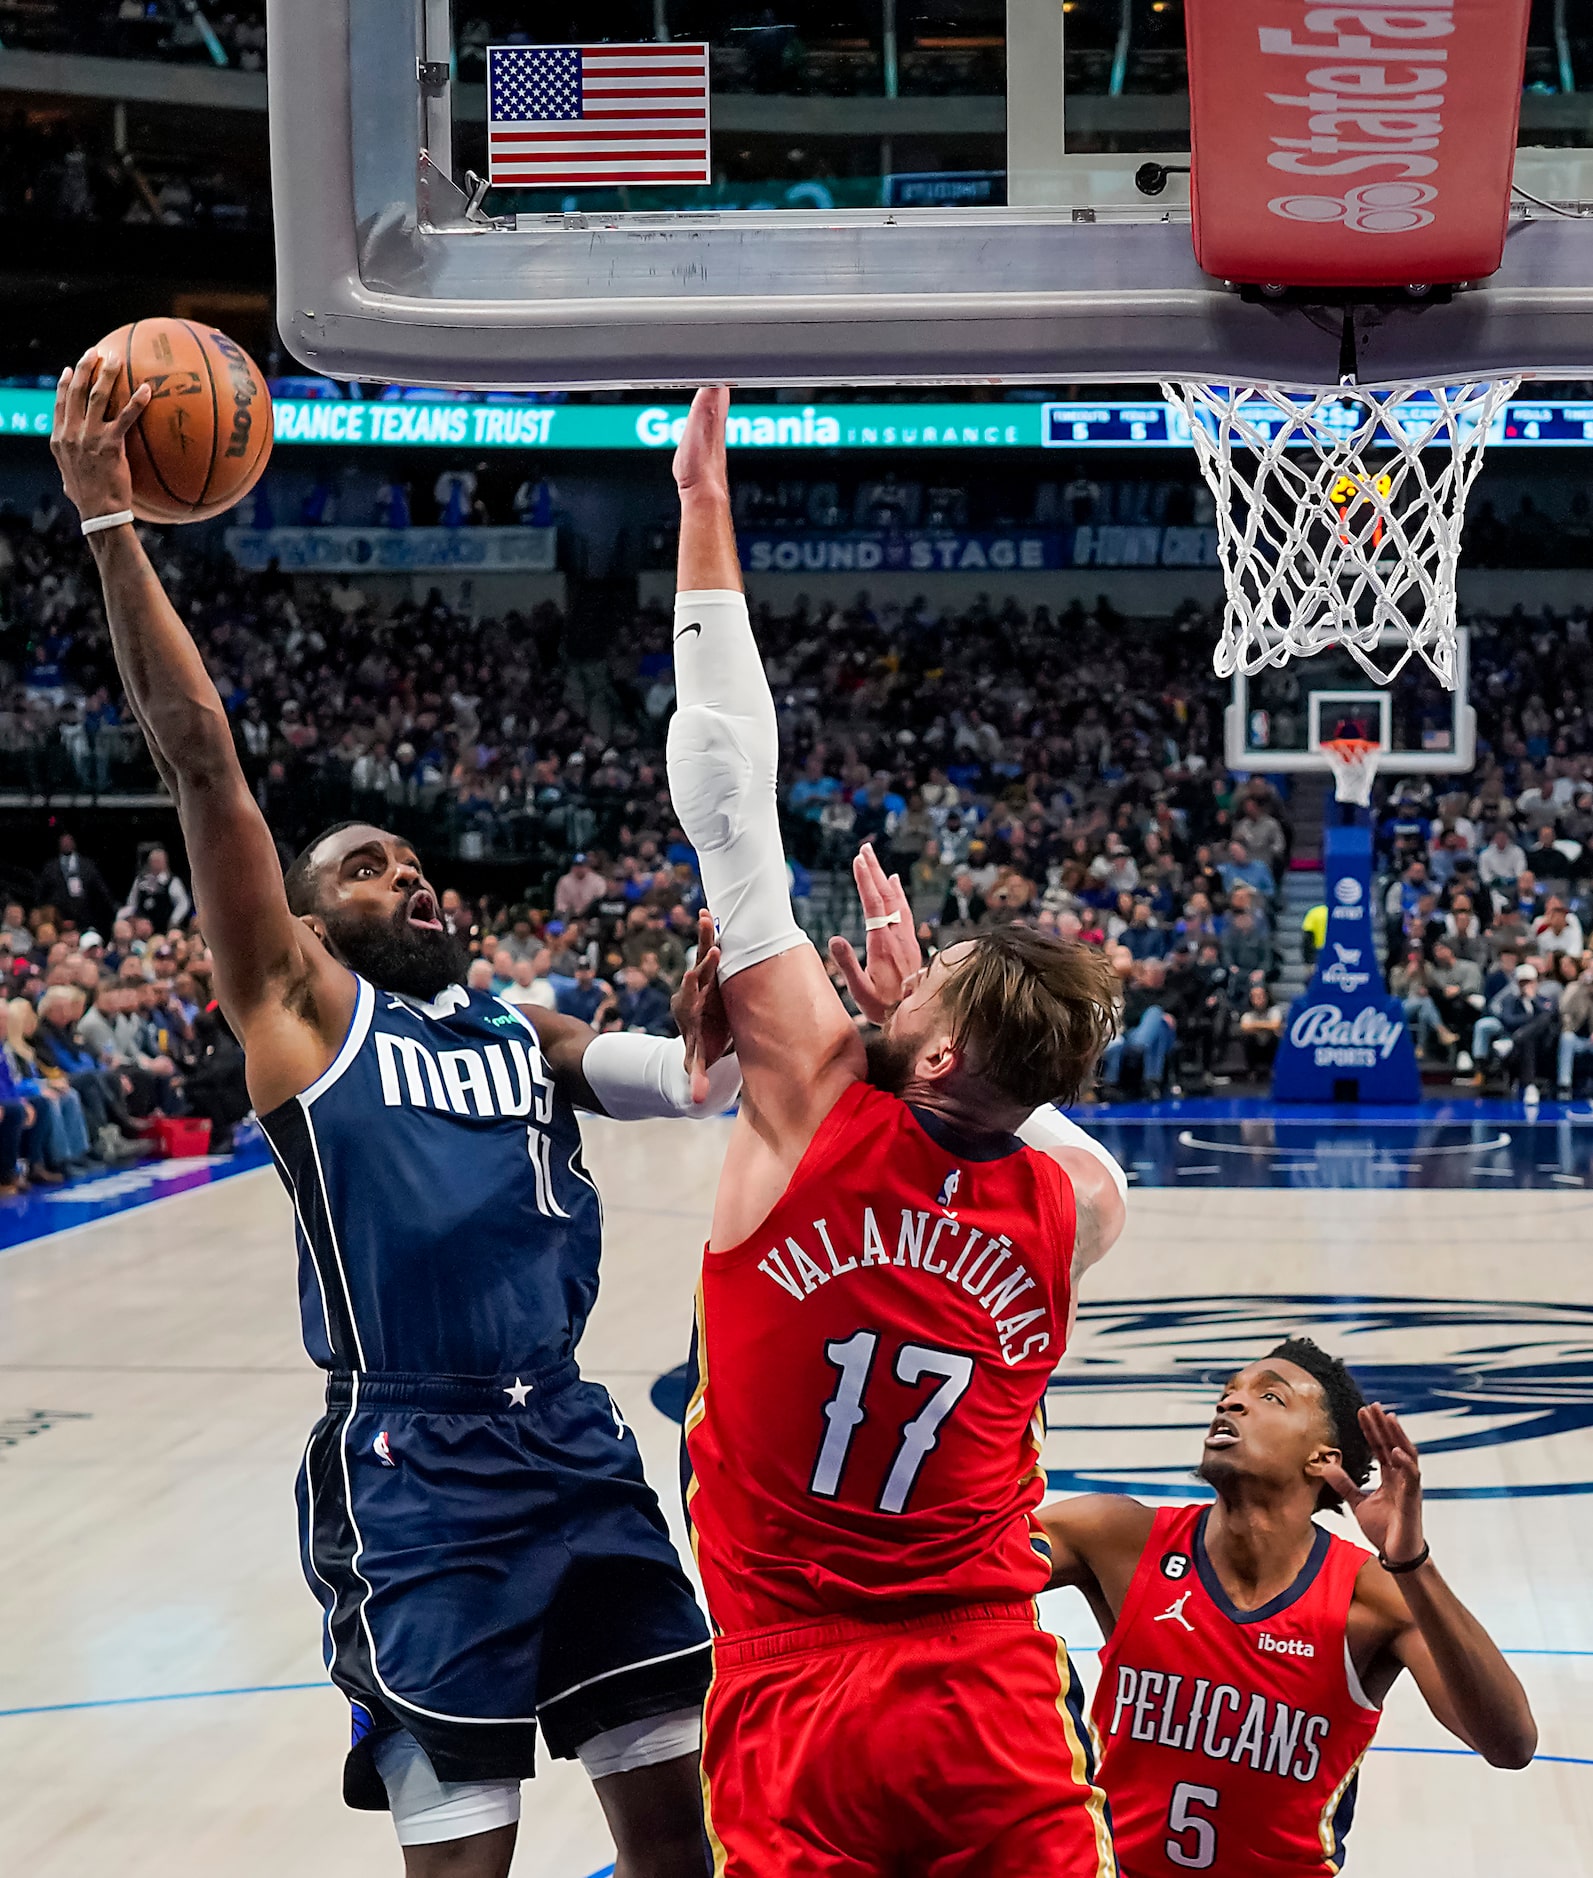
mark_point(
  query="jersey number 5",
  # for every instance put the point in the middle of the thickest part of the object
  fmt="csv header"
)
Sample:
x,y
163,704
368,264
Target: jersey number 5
x,y
1184,1819
844,1412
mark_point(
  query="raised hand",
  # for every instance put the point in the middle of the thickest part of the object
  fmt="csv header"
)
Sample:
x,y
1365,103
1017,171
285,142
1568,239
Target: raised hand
x,y
1391,1516
891,945
699,1010
700,454
89,447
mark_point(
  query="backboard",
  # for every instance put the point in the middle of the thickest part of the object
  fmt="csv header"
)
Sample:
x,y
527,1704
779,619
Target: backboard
x,y
902,191
1279,719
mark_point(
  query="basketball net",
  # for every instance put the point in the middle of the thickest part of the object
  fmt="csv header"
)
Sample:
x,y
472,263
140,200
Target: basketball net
x,y
1339,514
1354,764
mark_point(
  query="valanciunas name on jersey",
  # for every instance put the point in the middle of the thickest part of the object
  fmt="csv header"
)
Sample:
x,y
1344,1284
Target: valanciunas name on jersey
x,y
988,1269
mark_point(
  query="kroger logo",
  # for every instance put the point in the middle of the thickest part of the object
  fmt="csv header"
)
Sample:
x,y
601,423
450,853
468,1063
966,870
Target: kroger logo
x,y
1130,1404
1345,973
1349,1041
1347,891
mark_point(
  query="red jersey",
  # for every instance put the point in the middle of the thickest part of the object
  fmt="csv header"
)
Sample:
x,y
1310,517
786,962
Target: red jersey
x,y
1231,1739
865,1432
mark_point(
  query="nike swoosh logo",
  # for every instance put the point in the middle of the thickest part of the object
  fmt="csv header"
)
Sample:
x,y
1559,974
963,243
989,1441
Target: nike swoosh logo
x,y
694,627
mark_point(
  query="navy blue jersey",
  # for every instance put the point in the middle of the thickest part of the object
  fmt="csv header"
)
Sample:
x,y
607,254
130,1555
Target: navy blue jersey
x,y
445,1223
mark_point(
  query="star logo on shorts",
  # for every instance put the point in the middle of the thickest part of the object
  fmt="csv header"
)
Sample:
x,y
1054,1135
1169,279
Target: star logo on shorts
x,y
518,1393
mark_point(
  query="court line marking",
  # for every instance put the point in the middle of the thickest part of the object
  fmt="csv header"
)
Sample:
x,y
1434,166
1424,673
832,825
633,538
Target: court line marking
x,y
133,1206
297,1688
1187,1138
1556,1760
176,1695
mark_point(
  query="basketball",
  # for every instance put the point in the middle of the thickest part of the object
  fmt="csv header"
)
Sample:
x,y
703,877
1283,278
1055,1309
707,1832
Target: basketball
x,y
203,441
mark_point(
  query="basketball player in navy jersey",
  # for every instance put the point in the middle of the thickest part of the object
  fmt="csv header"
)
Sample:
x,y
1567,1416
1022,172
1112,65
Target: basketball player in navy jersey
x,y
474,1517
1248,1650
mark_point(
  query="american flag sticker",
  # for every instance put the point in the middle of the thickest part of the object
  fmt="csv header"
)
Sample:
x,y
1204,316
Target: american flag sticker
x,y
586,117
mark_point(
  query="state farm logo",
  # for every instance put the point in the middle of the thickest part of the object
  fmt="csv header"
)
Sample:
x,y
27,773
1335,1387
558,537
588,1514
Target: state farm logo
x,y
1284,1646
1371,209
1324,1027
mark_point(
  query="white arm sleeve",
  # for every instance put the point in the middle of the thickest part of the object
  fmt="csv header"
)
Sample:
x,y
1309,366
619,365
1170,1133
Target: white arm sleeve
x,y
1049,1128
723,754
637,1077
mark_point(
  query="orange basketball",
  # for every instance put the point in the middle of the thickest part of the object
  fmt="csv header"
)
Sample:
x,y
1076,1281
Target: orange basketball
x,y
206,433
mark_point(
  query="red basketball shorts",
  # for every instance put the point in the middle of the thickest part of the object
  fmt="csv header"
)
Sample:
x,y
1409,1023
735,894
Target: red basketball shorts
x,y
945,1746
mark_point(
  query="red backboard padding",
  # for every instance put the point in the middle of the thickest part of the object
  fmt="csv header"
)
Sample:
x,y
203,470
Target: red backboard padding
x,y
1347,145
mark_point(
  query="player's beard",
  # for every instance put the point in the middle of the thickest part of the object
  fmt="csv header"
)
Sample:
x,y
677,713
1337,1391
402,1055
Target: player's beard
x,y
395,955
890,1061
1213,1470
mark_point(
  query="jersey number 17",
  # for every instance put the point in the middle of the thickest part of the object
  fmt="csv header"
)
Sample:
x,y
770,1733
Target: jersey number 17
x,y
845,1412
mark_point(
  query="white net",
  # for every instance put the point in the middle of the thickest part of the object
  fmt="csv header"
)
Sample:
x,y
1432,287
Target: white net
x,y
1354,765
1339,515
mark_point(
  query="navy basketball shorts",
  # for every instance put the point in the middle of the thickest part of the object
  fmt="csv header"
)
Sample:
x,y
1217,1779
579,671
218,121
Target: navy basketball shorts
x,y
490,1558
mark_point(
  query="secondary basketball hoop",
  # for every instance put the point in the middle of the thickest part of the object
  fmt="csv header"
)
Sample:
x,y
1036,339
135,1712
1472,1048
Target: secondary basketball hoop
x,y
1339,515
1353,761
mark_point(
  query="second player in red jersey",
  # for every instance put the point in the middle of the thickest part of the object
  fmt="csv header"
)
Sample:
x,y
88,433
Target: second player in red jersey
x,y
1248,1650
1220,1721
896,1240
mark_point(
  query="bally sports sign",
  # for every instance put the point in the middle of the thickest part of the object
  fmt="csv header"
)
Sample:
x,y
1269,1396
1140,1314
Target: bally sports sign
x,y
1339,1042
1319,131
1346,1038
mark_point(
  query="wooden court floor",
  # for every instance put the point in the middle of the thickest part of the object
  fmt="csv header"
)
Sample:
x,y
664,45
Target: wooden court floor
x,y
162,1704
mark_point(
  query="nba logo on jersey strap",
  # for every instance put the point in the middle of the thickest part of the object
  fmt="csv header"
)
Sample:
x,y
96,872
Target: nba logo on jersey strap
x,y
948,1189
382,1451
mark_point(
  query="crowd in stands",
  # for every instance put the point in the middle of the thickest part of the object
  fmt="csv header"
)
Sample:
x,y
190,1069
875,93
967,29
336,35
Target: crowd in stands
x,y
230,34
69,173
111,1024
497,492
1008,763
1488,909
953,48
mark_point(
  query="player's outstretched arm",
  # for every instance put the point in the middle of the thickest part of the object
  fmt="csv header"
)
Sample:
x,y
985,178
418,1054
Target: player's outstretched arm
x,y
277,984
1458,1667
1095,1541
631,1078
798,1049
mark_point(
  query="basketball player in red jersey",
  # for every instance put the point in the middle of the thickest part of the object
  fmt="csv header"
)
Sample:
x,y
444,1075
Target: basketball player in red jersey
x,y
887,1289
1248,1650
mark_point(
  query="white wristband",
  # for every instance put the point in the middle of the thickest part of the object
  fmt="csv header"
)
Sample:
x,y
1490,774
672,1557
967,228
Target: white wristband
x,y
635,1077
97,524
1048,1127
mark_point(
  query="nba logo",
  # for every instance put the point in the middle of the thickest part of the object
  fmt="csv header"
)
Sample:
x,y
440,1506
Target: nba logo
x,y
948,1189
382,1451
